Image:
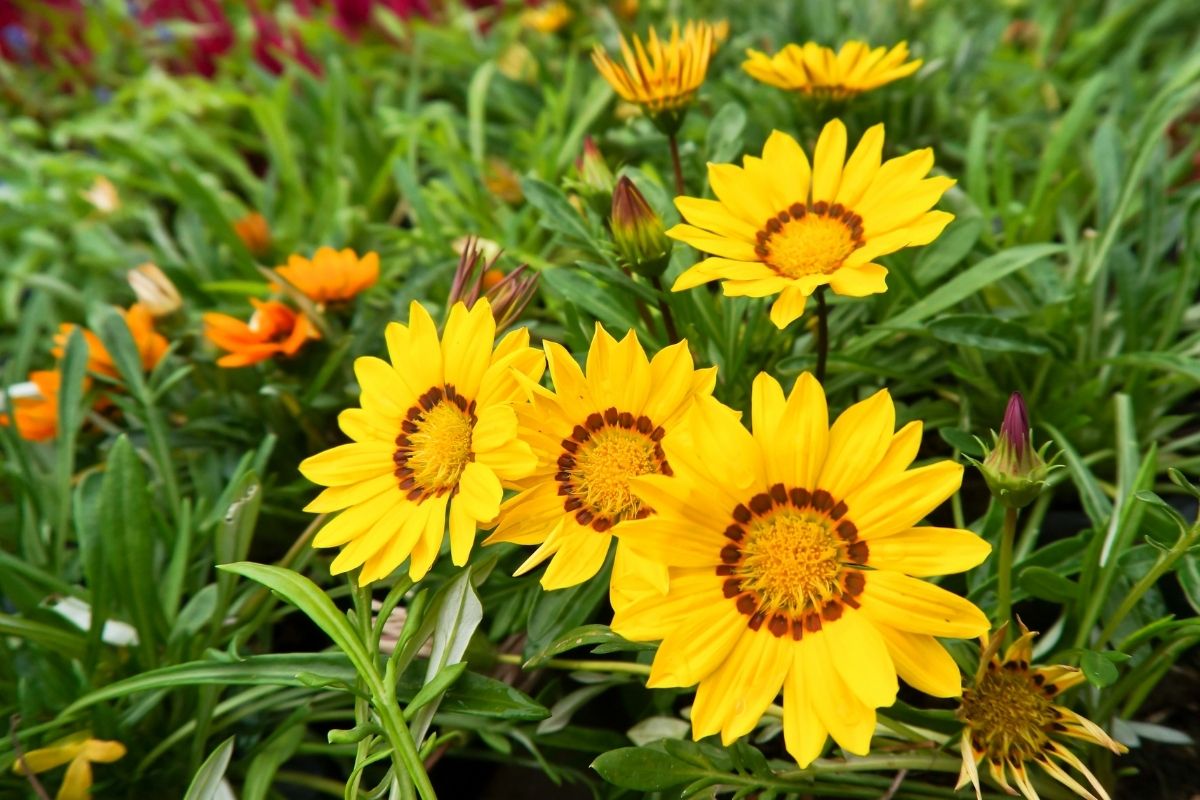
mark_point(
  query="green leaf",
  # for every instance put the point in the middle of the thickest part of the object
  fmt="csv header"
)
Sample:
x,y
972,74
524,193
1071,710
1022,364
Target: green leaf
x,y
477,110
207,781
1189,579
261,773
723,141
962,441
127,532
556,612
645,770
118,341
64,641
607,639
986,332
948,250
584,291
556,213
458,616
1099,670
434,688
1046,584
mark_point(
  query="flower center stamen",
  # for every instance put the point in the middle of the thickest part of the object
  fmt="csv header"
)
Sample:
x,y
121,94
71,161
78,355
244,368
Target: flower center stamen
x,y
1009,713
434,446
809,239
597,462
792,560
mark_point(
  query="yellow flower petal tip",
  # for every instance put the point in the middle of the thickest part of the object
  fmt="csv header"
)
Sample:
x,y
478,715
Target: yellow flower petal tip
x,y
794,564
782,226
816,71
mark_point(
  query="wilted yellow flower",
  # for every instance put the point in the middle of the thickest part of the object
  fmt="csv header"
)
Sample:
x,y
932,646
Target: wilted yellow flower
x,y
780,226
79,752
1011,719
795,558
662,75
155,291
820,72
436,435
592,436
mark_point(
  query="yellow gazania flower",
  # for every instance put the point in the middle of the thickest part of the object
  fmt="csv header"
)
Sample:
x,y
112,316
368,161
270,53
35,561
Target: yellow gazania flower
x,y
331,276
791,551
779,226
548,17
1011,718
436,431
663,74
820,72
594,433
80,751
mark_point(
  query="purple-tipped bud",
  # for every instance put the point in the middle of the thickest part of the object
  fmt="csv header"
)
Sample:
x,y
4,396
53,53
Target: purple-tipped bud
x,y
637,231
1015,472
476,277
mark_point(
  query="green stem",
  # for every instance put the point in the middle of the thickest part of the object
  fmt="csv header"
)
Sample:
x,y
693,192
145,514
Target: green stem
x,y
676,165
822,333
1162,565
1004,567
665,310
157,435
626,667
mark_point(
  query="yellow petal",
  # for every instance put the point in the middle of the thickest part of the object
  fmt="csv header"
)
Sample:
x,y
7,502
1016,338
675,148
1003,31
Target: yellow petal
x,y
861,168
789,167
714,243
828,159
634,577
887,506
788,306
77,782
806,426
480,492
862,659
859,281
928,551
900,453
42,759
358,519
689,653
103,751
363,426
713,216
467,346
383,392
713,269
803,734
462,532
849,722
922,662
913,605
654,615
426,549
857,441
580,556
335,498
733,698
735,191
349,463
405,525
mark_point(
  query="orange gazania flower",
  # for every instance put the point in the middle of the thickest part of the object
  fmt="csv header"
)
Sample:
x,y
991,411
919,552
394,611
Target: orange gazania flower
x,y
35,406
273,329
331,275
254,232
151,344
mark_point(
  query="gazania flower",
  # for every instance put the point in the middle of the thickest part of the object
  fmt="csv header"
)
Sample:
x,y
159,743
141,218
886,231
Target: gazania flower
x,y
548,17
1011,719
592,435
780,226
436,433
791,551
79,752
151,345
34,406
332,276
662,75
273,329
819,72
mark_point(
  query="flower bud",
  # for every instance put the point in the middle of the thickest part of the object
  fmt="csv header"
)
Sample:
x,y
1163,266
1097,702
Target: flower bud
x,y
1015,472
254,232
638,232
594,174
476,276
154,290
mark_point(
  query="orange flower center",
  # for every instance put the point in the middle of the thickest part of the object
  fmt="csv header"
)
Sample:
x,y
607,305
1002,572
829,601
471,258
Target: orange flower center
x,y
1009,712
792,560
809,239
597,462
434,446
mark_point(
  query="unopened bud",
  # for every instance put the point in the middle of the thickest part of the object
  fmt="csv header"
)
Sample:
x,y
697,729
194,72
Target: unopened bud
x,y
1015,472
254,232
594,174
154,290
477,276
638,232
